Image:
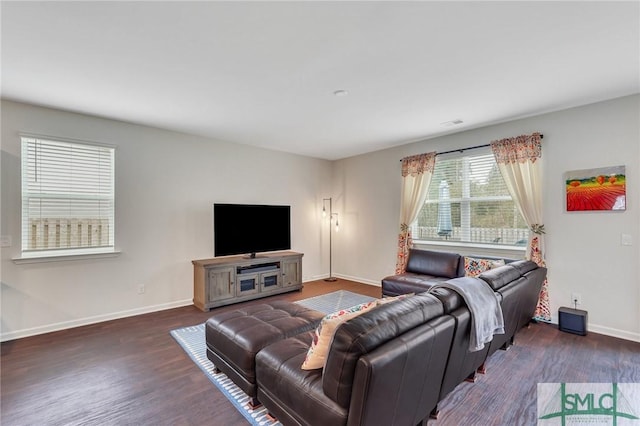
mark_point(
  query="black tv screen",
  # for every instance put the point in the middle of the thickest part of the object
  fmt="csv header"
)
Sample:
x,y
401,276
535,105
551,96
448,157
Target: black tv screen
x,y
250,228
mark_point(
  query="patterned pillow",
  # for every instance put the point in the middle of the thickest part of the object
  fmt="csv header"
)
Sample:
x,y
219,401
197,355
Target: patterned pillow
x,y
319,349
474,267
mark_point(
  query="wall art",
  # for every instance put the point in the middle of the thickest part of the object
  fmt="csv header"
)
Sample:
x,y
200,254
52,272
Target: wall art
x,y
603,188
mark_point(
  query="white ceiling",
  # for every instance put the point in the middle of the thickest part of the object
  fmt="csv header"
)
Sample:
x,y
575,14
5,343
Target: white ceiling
x,y
264,73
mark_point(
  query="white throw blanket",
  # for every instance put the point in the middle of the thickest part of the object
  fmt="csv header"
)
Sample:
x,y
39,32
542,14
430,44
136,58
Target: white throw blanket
x,y
486,314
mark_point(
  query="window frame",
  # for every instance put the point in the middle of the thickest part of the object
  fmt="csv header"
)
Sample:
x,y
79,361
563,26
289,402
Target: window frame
x,y
47,254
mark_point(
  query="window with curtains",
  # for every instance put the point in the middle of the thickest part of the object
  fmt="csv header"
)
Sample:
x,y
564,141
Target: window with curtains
x,y
67,197
468,202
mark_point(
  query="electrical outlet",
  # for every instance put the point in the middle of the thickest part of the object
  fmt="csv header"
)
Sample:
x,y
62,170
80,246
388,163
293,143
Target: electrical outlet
x,y
576,299
5,241
141,289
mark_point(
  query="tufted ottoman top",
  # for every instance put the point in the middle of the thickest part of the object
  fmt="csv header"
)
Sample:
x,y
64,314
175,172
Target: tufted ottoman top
x,y
236,336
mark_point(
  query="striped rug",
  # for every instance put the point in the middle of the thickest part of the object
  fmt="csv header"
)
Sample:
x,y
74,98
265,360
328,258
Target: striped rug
x,y
191,339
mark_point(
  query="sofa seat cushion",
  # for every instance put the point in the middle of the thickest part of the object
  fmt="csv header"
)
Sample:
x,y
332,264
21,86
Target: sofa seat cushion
x,y
408,283
234,338
291,394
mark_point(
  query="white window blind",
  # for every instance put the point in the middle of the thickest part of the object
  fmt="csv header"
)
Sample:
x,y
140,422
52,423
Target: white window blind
x,y
468,202
67,197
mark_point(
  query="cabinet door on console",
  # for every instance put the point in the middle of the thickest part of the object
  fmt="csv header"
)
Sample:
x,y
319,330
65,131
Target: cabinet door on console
x,y
221,285
248,284
291,271
270,280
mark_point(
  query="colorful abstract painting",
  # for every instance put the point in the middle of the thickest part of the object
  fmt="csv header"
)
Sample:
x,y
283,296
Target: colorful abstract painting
x,y
596,189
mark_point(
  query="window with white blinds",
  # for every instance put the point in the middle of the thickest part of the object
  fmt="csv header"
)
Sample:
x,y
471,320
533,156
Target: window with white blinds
x,y
67,197
468,202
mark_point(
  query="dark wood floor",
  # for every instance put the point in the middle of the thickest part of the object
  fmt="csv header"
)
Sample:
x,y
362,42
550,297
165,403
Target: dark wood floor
x,y
131,372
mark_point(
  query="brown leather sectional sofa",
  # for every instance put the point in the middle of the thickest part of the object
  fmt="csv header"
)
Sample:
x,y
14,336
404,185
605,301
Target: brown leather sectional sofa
x,y
384,367
390,365
517,286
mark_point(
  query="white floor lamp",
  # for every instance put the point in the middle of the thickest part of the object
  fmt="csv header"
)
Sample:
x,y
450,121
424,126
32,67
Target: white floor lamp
x,y
331,278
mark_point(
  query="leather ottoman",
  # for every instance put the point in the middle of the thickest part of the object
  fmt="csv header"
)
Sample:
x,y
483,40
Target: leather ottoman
x,y
235,337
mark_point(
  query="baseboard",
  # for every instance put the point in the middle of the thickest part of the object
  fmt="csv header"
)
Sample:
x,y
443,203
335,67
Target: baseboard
x,y
18,334
614,332
315,278
345,277
607,331
359,280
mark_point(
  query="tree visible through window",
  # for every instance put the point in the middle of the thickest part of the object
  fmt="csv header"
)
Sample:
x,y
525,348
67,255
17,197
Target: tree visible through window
x,y
67,197
468,202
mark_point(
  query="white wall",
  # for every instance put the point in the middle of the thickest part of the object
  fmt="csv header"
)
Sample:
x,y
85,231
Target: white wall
x,y
166,184
584,254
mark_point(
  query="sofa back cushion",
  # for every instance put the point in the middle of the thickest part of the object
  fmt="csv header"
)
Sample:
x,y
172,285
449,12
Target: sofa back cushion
x,y
450,300
500,276
435,263
524,266
368,331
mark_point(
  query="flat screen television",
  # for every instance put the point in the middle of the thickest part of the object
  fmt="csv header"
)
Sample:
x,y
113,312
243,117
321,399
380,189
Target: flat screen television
x,y
250,228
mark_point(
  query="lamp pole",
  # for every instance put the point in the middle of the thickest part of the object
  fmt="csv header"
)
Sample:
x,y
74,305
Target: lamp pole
x,y
331,278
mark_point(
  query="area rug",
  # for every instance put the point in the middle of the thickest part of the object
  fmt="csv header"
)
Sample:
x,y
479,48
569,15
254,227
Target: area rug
x,y
191,339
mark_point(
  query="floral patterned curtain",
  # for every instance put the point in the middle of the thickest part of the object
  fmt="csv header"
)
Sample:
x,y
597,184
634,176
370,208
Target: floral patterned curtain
x,y
520,162
416,176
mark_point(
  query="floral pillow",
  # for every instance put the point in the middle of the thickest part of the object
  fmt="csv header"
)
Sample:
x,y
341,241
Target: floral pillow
x,y
474,267
319,349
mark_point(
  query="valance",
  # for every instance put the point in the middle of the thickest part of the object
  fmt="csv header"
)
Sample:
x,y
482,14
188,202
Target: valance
x,y
518,149
418,164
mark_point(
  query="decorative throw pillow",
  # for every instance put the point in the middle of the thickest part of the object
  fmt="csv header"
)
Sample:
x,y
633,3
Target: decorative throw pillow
x,y
386,300
499,262
474,267
319,349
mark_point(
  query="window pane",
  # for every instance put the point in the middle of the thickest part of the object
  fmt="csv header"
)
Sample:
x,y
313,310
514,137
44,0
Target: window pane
x,y
67,195
468,201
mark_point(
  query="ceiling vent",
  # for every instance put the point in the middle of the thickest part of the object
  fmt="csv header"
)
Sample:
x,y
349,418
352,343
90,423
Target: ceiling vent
x,y
452,123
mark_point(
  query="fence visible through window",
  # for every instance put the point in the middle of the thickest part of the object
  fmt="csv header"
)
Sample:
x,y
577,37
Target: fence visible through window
x,y
51,234
503,236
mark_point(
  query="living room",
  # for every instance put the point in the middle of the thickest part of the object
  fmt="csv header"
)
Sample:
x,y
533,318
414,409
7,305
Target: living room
x,y
167,182
165,216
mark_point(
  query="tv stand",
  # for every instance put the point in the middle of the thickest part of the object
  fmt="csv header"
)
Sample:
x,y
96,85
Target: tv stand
x,y
231,279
